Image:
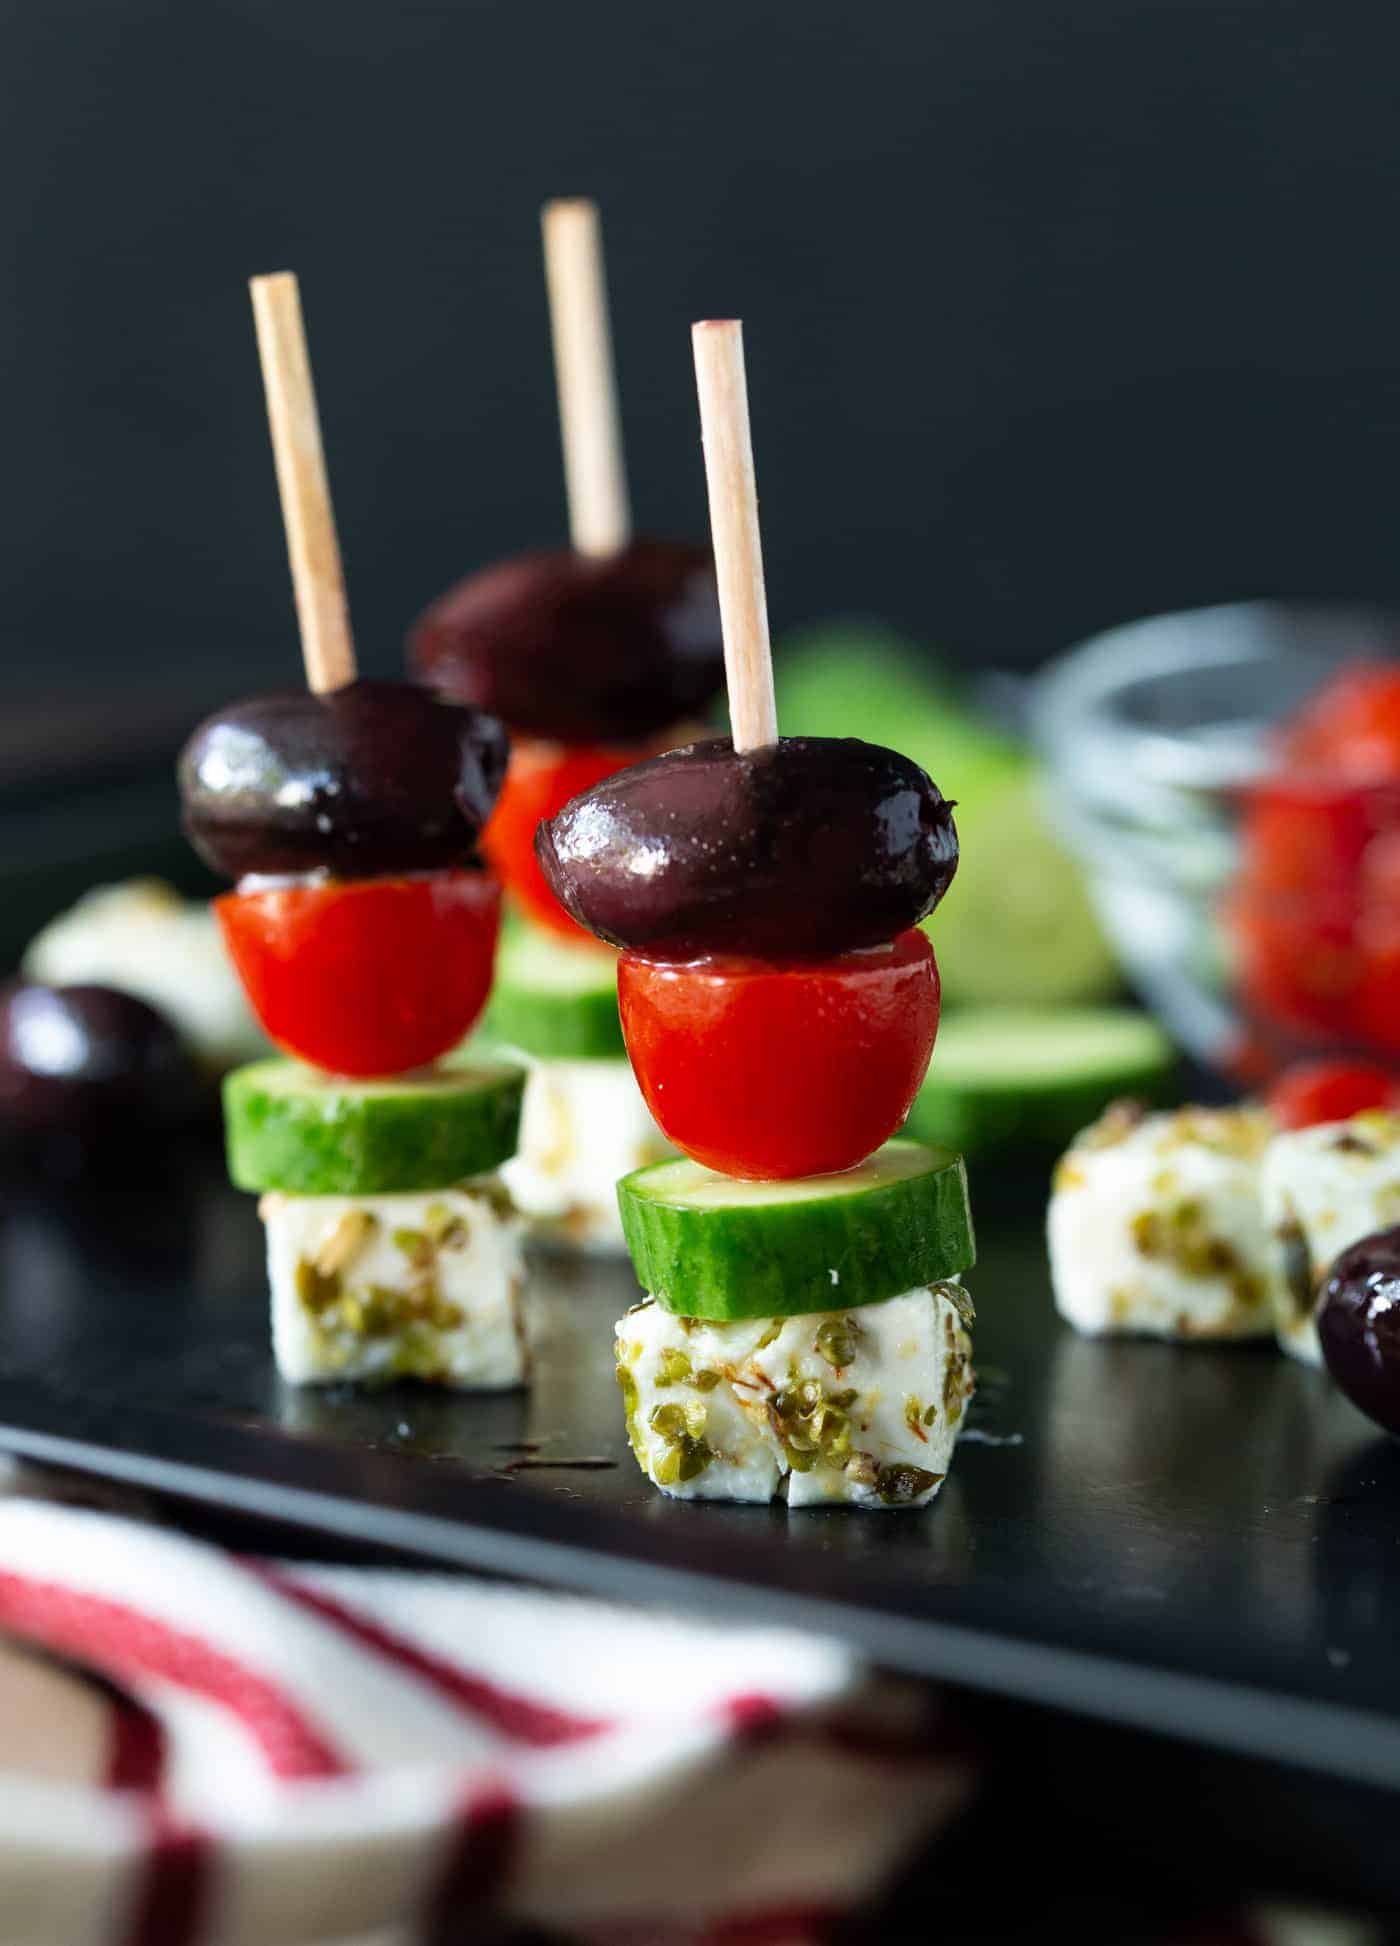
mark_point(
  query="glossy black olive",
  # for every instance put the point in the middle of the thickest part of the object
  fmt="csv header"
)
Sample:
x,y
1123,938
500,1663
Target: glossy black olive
x,y
814,846
373,778
1358,1325
86,1068
577,649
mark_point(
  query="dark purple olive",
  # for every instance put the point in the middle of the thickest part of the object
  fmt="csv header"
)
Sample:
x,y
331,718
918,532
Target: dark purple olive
x,y
1358,1324
373,778
813,846
577,649
86,1068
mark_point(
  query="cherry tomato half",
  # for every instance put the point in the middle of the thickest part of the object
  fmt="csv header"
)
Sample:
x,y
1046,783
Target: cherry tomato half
x,y
540,780
1330,1091
768,1070
366,976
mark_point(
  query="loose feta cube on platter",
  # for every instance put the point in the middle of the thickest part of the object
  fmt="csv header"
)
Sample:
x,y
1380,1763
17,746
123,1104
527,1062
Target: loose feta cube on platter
x,y
375,1288
1323,1189
583,1125
1155,1225
858,1407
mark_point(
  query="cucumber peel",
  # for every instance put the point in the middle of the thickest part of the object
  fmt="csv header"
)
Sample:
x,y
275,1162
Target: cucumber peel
x,y
291,1128
1024,1079
706,1246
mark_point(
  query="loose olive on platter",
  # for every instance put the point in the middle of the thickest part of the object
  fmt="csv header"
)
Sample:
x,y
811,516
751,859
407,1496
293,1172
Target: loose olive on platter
x,y
808,847
85,1069
373,778
1358,1325
578,648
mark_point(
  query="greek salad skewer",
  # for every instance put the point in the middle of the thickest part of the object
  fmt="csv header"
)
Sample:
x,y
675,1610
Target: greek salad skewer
x,y
803,1329
363,929
594,655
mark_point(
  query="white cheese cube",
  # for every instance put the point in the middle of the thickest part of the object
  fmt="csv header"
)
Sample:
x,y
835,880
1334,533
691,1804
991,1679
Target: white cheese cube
x,y
142,938
375,1288
1324,1189
1155,1225
583,1125
860,1406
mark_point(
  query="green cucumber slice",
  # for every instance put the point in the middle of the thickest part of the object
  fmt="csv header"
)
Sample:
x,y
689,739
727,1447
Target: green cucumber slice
x,y
707,1246
554,999
1005,1079
1017,927
288,1127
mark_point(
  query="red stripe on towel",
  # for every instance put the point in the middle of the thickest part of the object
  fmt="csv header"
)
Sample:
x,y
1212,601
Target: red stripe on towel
x,y
752,1717
540,1725
172,1901
122,1643
481,1854
135,1748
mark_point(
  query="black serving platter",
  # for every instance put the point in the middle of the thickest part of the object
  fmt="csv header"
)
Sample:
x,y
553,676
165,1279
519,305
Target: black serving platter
x,y
1204,1542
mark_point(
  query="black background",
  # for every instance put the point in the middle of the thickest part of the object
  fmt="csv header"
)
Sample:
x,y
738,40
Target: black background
x,y
1056,313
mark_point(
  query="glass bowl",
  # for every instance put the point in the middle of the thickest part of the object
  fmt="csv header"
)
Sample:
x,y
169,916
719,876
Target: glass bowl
x,y
1156,739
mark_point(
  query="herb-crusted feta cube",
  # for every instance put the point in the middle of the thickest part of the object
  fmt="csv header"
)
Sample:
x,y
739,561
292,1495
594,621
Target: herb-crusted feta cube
x,y
859,1407
1156,1227
376,1288
1323,1189
583,1126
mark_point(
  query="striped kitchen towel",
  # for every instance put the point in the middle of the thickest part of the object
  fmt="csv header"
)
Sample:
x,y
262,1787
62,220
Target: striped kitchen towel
x,y
272,1755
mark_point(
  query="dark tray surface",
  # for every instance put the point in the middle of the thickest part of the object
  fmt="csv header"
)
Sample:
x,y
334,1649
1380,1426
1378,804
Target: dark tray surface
x,y
1205,1542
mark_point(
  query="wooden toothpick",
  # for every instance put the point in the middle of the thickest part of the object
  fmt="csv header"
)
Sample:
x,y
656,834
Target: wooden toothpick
x,y
600,520
743,605
327,647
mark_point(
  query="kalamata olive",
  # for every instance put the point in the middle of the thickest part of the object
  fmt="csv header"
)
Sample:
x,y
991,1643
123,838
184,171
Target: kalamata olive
x,y
86,1067
815,845
374,778
580,649
1358,1324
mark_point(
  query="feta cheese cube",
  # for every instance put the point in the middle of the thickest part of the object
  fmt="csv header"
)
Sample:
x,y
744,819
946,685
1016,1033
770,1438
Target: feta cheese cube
x,y
1324,1189
1155,1225
583,1125
860,1407
142,938
376,1288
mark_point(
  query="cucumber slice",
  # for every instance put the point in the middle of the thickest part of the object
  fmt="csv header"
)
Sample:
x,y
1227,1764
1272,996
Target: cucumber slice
x,y
1017,927
554,999
288,1127
1006,1079
707,1246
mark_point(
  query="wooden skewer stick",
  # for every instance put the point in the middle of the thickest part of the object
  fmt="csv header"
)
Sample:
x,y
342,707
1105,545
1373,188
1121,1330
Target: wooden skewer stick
x,y
327,646
743,605
595,477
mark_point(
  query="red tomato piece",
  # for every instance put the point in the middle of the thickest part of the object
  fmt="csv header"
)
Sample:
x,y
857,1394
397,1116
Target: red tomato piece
x,y
540,780
1308,837
1299,969
768,1070
369,976
1377,1016
1330,1091
1352,727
